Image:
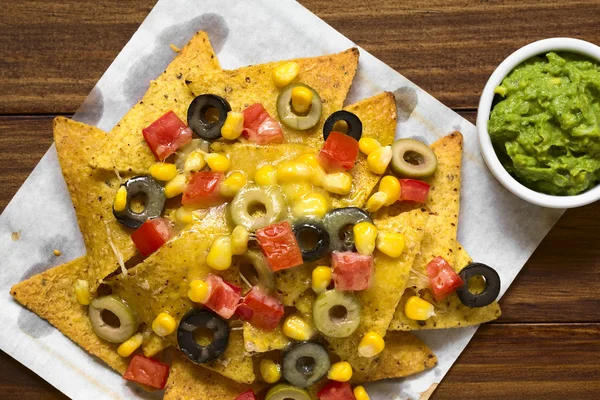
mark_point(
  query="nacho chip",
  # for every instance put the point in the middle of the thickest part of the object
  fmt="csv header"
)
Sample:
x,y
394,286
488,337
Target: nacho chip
x,y
51,296
107,241
125,148
258,340
330,76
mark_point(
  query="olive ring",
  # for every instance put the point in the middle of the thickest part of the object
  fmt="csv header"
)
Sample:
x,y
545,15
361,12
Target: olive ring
x,y
289,118
154,201
314,229
354,124
196,116
492,285
188,345
338,223
305,364
270,198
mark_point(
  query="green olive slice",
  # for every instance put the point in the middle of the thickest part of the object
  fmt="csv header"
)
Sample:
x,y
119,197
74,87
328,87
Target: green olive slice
x,y
253,266
289,118
287,392
109,328
412,159
336,314
255,207
305,364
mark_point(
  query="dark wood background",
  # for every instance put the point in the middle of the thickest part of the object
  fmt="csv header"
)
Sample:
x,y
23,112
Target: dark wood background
x,y
546,345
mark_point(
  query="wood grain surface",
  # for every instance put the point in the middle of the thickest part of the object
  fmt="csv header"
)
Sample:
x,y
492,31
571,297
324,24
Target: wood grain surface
x,y
546,345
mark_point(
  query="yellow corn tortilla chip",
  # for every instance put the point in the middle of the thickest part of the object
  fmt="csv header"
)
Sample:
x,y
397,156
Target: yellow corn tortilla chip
x,y
257,340
379,301
125,148
51,296
330,76
92,193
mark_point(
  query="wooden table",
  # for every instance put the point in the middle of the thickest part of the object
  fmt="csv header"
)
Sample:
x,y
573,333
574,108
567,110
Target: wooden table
x,y
546,345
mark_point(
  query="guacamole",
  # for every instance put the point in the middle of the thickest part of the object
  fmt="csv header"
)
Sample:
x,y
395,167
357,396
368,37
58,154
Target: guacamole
x,y
546,126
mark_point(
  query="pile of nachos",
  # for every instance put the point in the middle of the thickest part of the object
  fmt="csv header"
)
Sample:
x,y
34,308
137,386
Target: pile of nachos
x,y
249,236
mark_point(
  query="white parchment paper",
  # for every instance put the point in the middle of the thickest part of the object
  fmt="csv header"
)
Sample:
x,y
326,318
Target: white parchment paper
x,y
495,227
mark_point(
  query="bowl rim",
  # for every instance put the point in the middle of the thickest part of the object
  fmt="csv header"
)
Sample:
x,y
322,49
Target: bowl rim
x,y
484,109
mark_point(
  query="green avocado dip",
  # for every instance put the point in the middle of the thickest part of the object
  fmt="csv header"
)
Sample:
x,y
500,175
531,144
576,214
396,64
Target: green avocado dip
x,y
546,128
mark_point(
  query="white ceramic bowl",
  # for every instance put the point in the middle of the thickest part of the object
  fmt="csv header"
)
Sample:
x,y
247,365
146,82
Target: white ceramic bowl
x,y
483,115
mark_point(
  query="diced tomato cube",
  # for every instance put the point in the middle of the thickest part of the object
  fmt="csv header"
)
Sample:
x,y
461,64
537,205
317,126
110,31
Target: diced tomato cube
x,y
336,391
147,371
339,152
166,135
351,271
223,298
248,395
152,235
260,127
279,245
203,190
260,309
413,190
442,278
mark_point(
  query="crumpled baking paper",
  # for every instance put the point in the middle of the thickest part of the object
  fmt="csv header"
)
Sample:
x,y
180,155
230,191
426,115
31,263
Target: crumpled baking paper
x,y
495,226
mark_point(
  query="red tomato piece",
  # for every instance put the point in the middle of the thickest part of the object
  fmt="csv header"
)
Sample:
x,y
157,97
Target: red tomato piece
x,y
413,190
336,391
351,271
224,297
260,309
442,278
147,372
248,395
279,245
152,235
202,190
339,152
166,135
260,127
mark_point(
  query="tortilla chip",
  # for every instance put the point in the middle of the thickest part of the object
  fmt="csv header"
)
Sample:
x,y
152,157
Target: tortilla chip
x,y
330,76
51,296
125,148
257,340
295,281
92,193
154,345
379,301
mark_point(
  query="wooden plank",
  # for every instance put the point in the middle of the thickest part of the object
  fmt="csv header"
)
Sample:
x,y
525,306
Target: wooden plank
x,y
19,383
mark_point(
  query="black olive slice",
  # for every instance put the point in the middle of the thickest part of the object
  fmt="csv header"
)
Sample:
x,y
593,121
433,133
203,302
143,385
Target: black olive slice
x,y
198,121
201,319
412,159
353,122
305,364
339,223
492,285
312,238
153,196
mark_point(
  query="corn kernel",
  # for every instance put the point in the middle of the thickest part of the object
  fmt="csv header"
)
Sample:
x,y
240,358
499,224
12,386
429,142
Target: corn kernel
x,y
199,291
297,328
285,74
270,370
233,126
360,393
293,171
376,201
302,98
195,161
338,183
310,205
175,186
379,159
295,190
163,171
164,324
391,243
220,254
233,183
370,345
127,348
390,185
321,279
184,215
308,158
217,162
239,240
365,234
120,199
340,371
265,176
418,309
368,145
82,292
312,161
